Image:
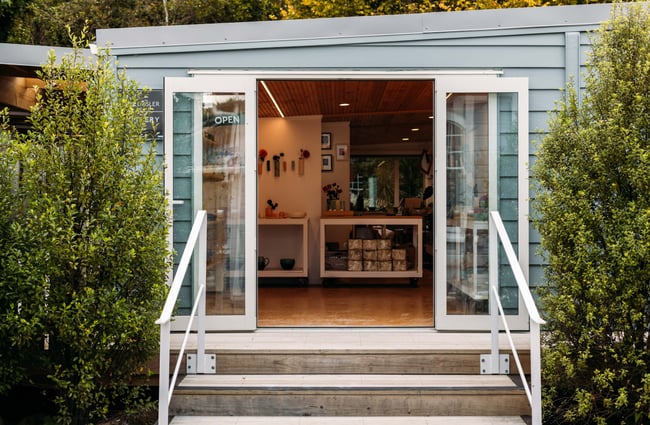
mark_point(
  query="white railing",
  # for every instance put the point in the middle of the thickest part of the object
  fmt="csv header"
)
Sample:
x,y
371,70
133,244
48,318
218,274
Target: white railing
x,y
534,392
197,239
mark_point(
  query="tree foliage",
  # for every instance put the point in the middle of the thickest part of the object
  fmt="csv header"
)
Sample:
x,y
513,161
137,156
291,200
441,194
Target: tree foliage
x,y
593,211
44,21
83,238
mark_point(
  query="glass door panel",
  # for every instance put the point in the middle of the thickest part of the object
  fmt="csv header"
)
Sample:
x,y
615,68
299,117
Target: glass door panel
x,y
212,147
481,167
467,204
223,183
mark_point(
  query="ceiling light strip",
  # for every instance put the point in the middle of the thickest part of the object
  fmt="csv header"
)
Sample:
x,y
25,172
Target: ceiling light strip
x,y
272,99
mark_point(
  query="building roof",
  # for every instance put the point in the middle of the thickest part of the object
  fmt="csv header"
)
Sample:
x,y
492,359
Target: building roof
x,y
350,29
19,64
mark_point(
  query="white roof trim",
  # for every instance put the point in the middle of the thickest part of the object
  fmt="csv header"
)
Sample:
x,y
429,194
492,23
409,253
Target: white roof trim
x,y
311,31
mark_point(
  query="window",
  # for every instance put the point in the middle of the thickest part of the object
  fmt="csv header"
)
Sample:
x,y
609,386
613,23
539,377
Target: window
x,y
379,183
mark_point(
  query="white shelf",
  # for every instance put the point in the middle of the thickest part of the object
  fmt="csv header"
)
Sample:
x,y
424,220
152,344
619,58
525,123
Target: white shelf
x,y
283,238
381,222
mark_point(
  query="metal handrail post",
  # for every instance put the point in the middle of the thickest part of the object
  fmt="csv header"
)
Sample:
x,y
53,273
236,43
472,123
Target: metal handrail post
x,y
535,320
494,288
163,374
536,372
200,344
197,239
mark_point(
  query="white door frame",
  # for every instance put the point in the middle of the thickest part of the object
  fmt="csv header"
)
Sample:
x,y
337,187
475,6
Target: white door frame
x,y
485,81
461,84
220,84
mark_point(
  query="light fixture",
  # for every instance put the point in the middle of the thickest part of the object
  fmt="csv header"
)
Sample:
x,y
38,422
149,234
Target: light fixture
x,y
344,104
415,129
405,139
277,107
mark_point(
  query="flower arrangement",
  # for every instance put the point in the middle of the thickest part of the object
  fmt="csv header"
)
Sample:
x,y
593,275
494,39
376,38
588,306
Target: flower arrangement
x,y
263,154
332,190
304,154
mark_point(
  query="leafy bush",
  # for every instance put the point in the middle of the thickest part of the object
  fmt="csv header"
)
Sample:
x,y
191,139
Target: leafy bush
x,y
83,238
593,207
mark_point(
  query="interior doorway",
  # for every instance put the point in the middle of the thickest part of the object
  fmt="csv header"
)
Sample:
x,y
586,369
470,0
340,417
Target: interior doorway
x,y
388,120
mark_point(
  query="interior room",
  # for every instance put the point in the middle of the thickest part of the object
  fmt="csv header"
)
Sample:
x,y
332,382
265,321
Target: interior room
x,y
336,158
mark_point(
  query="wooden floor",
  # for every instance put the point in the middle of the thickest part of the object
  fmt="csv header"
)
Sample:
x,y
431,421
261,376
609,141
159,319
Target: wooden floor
x,y
370,303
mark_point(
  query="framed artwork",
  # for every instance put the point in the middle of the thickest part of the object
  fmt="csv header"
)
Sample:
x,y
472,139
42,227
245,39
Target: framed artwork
x,y
326,141
326,162
341,152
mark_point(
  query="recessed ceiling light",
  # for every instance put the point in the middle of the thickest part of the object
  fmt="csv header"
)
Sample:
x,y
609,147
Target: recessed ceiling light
x,y
344,104
405,139
415,129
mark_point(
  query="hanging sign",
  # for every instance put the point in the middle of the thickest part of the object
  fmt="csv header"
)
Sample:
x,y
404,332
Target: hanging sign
x,y
219,120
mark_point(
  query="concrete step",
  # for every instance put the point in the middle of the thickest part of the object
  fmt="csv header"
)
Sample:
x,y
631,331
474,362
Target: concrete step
x,y
375,420
349,395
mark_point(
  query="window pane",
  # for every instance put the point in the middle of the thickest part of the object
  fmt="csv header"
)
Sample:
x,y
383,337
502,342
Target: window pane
x,y
379,183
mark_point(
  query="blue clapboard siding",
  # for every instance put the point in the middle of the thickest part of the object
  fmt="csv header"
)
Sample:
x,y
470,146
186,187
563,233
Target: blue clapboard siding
x,y
183,213
549,46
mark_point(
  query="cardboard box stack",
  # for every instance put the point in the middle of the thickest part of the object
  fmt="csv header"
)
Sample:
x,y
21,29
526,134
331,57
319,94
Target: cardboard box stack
x,y
355,255
375,255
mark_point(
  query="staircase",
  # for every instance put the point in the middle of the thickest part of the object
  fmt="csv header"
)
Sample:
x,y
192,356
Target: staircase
x,y
350,377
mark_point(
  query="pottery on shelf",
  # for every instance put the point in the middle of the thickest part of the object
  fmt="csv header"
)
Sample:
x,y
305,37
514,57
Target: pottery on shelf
x,y
287,263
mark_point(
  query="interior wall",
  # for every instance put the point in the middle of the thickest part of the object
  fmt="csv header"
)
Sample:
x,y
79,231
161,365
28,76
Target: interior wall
x,y
290,190
340,174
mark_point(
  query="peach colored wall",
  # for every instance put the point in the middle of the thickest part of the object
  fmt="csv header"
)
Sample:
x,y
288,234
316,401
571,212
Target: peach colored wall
x,y
294,192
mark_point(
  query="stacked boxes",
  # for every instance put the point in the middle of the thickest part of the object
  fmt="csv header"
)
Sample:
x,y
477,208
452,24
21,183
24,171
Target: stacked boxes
x,y
370,255
375,255
355,255
399,259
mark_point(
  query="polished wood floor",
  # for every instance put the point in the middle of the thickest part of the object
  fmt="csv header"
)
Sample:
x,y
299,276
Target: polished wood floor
x,y
347,303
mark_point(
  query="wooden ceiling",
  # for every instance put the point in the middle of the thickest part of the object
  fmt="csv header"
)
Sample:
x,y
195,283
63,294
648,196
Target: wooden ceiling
x,y
379,111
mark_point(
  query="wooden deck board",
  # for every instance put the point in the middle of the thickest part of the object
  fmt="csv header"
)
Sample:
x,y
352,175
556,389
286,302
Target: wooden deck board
x,y
375,420
342,382
352,340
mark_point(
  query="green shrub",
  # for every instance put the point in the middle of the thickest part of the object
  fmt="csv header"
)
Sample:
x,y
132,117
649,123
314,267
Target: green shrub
x,y
593,212
83,248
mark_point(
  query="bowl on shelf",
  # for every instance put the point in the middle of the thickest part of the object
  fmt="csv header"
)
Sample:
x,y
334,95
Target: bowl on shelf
x,y
287,263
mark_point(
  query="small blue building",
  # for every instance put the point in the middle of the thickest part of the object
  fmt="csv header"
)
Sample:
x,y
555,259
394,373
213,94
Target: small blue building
x,y
254,114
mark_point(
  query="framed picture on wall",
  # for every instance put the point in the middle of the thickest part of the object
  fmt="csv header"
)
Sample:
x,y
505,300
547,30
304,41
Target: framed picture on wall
x,y
326,141
341,152
326,163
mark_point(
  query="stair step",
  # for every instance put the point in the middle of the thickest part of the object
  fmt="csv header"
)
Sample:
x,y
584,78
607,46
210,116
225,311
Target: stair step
x,y
375,420
352,351
349,395
346,382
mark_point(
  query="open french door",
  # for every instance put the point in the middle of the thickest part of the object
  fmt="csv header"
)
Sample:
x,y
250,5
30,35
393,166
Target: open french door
x,y
210,145
481,155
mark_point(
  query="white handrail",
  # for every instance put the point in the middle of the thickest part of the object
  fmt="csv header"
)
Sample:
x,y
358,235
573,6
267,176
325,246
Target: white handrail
x,y
196,239
534,392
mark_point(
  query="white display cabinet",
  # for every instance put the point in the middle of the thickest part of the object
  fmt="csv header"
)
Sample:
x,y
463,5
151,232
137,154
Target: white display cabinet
x,y
404,233
283,238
